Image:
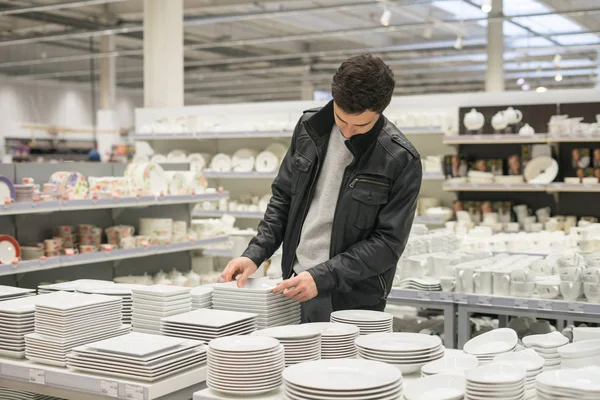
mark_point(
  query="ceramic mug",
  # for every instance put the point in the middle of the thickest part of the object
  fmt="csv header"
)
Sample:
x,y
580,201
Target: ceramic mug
x,y
571,291
482,280
542,267
501,283
447,283
464,279
522,289
592,292
522,275
86,248
571,274
591,275
548,290
127,242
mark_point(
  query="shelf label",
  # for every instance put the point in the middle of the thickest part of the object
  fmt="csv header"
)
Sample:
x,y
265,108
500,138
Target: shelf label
x,y
134,392
460,297
484,300
423,295
109,388
446,296
576,307
544,305
521,303
37,376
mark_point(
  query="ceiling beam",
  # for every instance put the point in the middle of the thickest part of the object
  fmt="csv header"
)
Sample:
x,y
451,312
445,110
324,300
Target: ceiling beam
x,y
55,6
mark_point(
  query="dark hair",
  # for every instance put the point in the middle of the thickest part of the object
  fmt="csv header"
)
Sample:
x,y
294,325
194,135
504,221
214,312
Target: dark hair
x,y
363,83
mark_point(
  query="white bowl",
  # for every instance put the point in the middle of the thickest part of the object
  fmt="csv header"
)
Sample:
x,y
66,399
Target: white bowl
x,y
439,387
546,341
494,342
587,348
529,358
450,363
497,373
585,333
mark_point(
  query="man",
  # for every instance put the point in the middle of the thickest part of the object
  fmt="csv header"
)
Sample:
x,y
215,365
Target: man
x,y
343,202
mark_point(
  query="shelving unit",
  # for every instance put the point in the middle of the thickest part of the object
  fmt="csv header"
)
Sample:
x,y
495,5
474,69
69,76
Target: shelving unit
x,y
493,187
240,175
237,214
517,139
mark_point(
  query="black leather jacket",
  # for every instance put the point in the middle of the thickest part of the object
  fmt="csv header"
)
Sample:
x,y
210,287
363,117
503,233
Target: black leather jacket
x,y
373,217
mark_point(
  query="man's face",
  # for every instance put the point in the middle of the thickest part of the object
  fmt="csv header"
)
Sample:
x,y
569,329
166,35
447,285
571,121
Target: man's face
x,y
354,124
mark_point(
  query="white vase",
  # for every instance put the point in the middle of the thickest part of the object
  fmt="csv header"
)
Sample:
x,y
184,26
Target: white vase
x,y
474,120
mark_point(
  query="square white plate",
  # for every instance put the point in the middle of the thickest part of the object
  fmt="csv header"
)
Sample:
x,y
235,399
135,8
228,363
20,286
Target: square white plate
x,y
260,285
162,301
210,318
161,291
137,344
67,301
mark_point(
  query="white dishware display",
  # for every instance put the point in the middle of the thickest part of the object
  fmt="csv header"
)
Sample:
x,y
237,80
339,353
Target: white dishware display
x,y
425,283
16,394
245,365
580,354
546,346
72,286
138,356
342,379
11,293
541,170
406,351
454,363
120,290
438,387
533,364
498,380
582,333
206,324
337,340
499,121
243,160
526,130
18,316
490,344
301,342
149,178
474,120
569,384
368,321
513,116
152,303
177,156
221,163
201,297
272,309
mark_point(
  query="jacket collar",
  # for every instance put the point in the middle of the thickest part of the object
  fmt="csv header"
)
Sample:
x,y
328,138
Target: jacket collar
x,y
322,122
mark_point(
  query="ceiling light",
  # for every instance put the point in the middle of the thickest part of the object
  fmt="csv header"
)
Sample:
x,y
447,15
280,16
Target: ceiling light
x,y
385,17
525,87
486,7
520,81
558,77
428,33
541,89
459,42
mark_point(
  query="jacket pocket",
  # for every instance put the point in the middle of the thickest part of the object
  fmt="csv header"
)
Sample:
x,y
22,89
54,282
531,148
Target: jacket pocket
x,y
300,171
367,202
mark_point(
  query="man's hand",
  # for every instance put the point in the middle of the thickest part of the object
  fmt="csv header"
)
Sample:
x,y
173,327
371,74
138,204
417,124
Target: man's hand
x,y
300,288
237,266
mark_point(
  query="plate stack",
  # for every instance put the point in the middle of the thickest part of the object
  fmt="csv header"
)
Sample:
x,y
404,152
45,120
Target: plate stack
x,y
451,364
580,354
32,251
15,394
569,384
18,318
501,380
301,342
202,297
426,284
547,347
65,320
406,351
245,365
342,379
488,345
337,340
206,324
369,322
153,303
138,356
72,286
24,193
121,290
256,297
533,365
11,293
438,387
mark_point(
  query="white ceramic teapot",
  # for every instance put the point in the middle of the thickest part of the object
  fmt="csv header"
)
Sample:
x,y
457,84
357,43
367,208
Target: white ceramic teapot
x,y
499,121
474,120
526,130
513,116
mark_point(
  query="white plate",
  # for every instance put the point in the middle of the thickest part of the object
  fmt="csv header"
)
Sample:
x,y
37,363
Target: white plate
x,y
160,300
497,373
450,363
291,332
161,291
256,285
362,316
12,291
439,387
67,301
405,343
493,342
137,344
335,330
244,344
529,358
201,291
547,341
209,318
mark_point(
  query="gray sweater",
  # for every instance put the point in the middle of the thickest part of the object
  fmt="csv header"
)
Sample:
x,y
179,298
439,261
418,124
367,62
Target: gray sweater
x,y
315,238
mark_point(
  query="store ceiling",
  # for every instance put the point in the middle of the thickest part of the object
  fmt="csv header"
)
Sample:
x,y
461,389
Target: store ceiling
x,y
242,50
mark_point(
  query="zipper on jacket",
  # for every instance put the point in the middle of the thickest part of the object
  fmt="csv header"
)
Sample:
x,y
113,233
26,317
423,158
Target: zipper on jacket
x,y
383,286
356,180
345,178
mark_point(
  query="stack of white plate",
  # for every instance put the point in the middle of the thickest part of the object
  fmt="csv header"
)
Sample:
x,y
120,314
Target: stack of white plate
x,y
24,193
547,347
206,324
32,251
301,342
18,317
245,365
368,321
72,286
153,303
342,379
122,290
498,380
337,340
15,394
426,284
406,351
455,363
256,297
64,320
569,384
138,356
488,345
202,297
438,387
580,354
11,292
533,365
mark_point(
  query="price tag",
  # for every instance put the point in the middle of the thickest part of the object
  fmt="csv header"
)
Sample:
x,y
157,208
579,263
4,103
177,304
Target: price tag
x,y
484,300
134,392
521,303
109,388
446,296
460,298
423,295
544,305
498,137
576,307
37,376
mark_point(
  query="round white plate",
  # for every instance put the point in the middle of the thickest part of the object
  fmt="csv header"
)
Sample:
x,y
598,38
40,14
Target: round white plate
x,y
291,332
362,316
439,387
237,344
399,342
493,342
497,373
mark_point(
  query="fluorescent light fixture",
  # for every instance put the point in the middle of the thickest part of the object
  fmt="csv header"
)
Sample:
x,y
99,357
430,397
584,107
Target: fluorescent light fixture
x,y
520,81
486,6
558,77
541,89
525,87
459,42
385,17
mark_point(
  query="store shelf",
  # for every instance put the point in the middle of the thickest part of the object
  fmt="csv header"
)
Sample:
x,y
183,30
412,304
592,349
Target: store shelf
x,y
573,139
218,252
237,214
422,130
433,176
93,204
425,220
496,139
493,187
104,256
64,383
211,135
240,175
567,187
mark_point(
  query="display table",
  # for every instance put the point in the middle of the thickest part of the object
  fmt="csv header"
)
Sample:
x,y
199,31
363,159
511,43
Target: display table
x,y
67,384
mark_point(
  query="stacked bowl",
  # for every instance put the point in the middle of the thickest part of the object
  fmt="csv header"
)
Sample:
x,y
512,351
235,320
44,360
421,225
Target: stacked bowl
x,y
437,387
547,346
406,351
337,340
490,344
368,321
454,363
301,342
533,364
569,384
498,380
580,354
